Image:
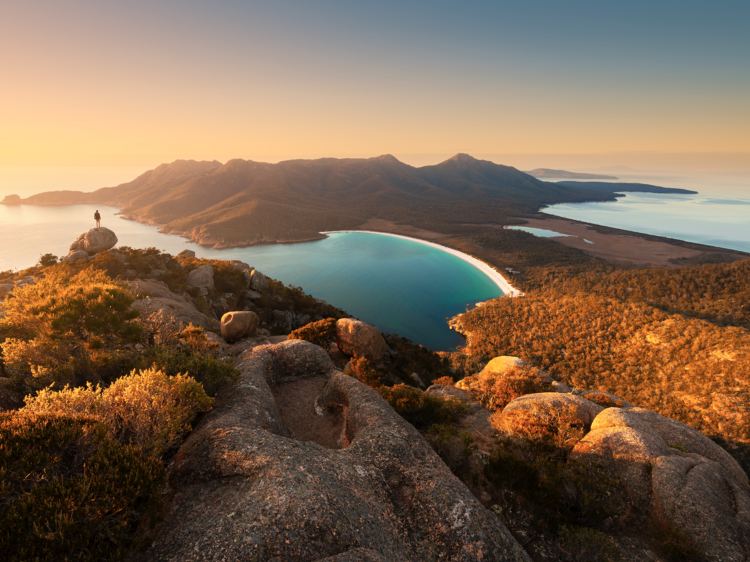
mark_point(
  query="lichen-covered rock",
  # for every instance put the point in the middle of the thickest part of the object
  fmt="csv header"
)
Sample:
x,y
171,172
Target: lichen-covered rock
x,y
201,276
245,489
74,256
539,416
186,254
94,241
258,281
284,320
663,474
6,289
236,325
153,296
503,364
359,339
562,388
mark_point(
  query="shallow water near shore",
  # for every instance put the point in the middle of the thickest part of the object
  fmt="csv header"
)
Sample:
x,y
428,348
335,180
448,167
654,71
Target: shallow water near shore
x,y
718,215
399,285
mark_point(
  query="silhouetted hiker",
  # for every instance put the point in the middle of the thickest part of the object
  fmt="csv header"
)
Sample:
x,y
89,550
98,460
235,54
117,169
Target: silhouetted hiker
x,y
97,218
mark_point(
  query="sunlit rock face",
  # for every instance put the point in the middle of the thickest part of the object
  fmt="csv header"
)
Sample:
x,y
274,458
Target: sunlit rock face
x,y
94,241
671,476
298,461
359,339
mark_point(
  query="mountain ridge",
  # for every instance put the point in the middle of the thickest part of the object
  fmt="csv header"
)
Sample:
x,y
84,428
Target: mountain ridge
x,y
244,202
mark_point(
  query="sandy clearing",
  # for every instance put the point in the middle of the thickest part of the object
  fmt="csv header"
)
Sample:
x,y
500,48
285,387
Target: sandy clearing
x,y
485,268
616,248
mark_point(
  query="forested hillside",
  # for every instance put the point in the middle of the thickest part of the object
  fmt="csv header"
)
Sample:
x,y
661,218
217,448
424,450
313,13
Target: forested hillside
x,y
673,341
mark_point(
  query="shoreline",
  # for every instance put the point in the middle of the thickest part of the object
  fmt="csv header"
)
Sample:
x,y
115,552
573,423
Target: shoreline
x,y
494,275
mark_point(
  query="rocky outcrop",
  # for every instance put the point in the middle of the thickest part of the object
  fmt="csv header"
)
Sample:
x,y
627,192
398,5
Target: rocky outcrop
x,y
539,416
11,200
236,325
669,475
246,489
94,241
258,281
75,256
358,339
153,296
201,277
186,254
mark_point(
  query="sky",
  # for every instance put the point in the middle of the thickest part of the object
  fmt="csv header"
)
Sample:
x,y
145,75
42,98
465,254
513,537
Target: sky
x,y
123,86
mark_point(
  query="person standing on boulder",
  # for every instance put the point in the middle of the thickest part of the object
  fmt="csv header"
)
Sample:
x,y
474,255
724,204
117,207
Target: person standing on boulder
x,y
97,218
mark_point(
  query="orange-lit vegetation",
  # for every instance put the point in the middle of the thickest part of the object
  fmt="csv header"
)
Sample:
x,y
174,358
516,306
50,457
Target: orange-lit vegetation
x,y
82,468
608,332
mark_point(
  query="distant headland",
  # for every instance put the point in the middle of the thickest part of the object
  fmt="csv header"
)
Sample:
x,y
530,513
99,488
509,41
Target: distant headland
x,y
242,202
548,173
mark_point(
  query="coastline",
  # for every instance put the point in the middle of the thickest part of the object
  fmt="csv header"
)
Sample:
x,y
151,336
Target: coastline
x,y
496,277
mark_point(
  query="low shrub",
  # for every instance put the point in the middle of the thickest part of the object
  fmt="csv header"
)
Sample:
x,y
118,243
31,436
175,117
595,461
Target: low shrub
x,y
447,381
52,328
557,426
529,481
585,544
452,445
367,373
69,491
494,391
320,333
420,409
148,410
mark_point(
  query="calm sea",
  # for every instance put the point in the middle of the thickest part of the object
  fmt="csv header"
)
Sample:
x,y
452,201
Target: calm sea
x,y
718,215
400,286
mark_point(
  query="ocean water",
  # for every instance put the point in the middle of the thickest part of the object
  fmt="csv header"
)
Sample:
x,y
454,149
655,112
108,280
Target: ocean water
x,y
718,215
400,286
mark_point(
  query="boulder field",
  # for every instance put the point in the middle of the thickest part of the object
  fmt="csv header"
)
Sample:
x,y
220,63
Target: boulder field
x,y
660,475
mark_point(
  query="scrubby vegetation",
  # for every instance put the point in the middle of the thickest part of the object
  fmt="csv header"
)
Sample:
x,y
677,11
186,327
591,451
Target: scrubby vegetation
x,y
69,490
322,332
82,470
109,396
612,339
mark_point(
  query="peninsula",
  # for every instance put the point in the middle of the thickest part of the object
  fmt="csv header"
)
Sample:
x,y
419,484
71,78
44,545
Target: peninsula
x,y
242,202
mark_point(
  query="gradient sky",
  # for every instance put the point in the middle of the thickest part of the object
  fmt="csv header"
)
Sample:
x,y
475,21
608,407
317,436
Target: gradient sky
x,y
98,83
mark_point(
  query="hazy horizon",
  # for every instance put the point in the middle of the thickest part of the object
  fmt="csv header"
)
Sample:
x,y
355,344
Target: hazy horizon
x,y
92,84
29,180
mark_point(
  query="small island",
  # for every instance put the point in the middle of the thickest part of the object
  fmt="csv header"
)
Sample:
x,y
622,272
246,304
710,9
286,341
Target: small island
x,y
11,200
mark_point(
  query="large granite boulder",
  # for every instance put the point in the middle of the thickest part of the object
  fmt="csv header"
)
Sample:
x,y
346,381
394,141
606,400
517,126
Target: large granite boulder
x,y
94,241
236,325
665,475
255,482
201,276
545,414
359,339
153,296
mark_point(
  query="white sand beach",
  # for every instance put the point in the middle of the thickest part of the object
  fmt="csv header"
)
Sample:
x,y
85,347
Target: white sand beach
x,y
488,270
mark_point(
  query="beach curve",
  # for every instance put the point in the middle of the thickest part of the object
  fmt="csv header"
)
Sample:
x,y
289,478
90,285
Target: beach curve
x,y
494,275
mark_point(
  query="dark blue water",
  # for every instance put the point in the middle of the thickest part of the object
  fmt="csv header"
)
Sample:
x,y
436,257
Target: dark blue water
x,y
400,286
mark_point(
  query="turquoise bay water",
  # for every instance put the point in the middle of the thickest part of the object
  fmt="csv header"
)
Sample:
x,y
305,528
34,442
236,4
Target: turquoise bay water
x,y
718,215
400,286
